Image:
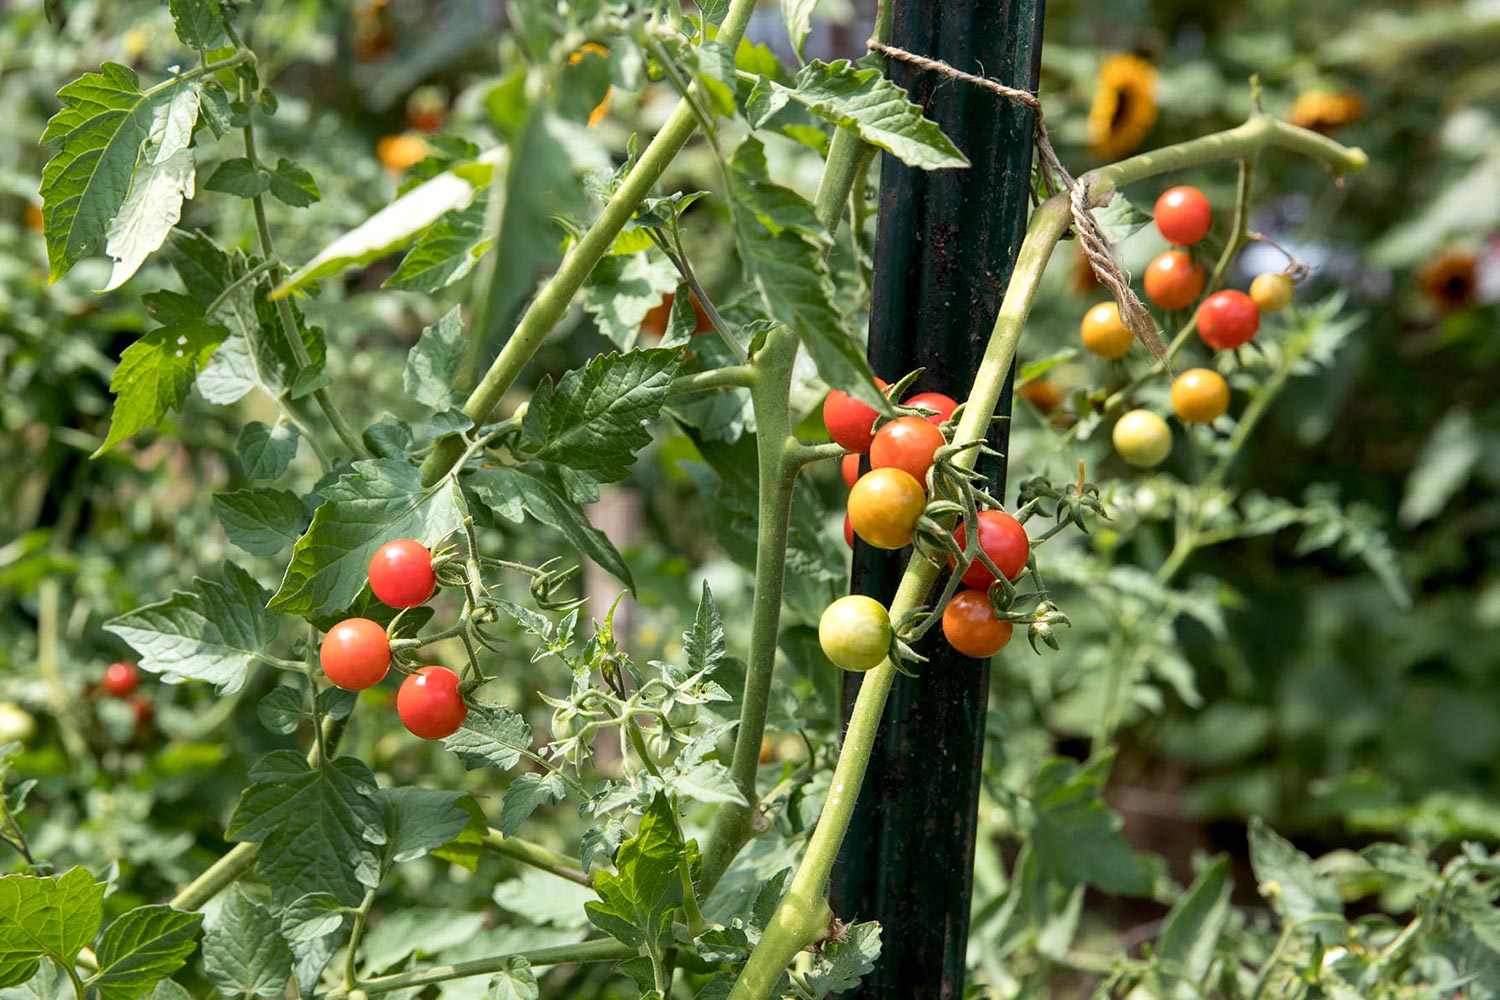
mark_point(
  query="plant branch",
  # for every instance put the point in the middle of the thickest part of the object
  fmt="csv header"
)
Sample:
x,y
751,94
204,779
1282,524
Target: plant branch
x,y
603,950
535,855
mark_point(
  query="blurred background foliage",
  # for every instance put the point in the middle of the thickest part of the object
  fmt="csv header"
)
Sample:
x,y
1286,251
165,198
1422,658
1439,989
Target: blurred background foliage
x,y
1336,702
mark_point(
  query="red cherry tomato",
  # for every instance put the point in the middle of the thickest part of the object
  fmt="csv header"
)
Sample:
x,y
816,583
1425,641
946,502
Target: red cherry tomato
x,y
849,468
942,402
1003,539
970,625
429,703
1182,215
908,444
850,422
121,679
884,506
848,531
356,654
1174,280
1228,319
144,712
401,573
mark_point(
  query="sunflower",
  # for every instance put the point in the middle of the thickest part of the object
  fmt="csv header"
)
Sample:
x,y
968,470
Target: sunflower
x,y
1124,106
1326,110
1451,280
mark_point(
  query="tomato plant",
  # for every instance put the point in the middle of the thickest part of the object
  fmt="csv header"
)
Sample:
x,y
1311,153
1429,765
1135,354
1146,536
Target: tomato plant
x,y
537,304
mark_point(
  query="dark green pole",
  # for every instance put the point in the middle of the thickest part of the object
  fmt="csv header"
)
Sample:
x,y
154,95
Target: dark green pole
x,y
945,246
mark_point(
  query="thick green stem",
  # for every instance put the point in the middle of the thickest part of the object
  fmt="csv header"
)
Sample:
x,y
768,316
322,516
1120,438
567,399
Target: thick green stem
x,y
551,303
847,156
732,377
587,951
733,824
351,955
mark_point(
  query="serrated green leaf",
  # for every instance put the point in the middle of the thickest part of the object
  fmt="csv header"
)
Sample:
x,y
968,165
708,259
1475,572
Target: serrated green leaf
x,y
317,827
154,203
53,917
262,520
266,452
1287,877
636,901
797,16
49,983
842,964
509,490
528,792
515,982
491,736
240,177
282,709
381,500
157,371
1075,836
141,948
595,420
774,206
312,927
866,102
199,23
623,288
243,951
436,361
707,781
392,226
704,644
445,252
291,184
420,820
99,132
211,633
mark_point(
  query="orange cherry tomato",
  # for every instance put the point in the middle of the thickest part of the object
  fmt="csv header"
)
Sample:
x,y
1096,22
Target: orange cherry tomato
x,y
884,506
1174,280
970,625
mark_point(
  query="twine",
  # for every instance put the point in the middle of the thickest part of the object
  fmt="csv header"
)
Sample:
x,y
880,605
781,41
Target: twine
x,y
1055,178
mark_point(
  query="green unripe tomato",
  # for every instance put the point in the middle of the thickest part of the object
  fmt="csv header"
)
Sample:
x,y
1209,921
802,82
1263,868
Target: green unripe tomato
x,y
1142,438
855,632
564,725
681,715
16,724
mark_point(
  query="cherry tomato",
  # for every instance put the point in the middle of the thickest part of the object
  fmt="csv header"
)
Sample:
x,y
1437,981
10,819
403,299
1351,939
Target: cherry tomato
x,y
970,625
941,402
848,531
1200,396
850,422
908,444
849,468
121,679
429,703
884,506
1182,215
1174,280
356,654
1003,539
1271,291
1227,319
1042,393
855,632
144,712
401,573
1142,438
1103,331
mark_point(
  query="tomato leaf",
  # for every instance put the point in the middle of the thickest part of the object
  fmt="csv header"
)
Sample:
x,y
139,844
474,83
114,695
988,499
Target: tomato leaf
x,y
266,452
317,827
156,372
244,953
291,184
445,252
1075,836
52,917
1191,931
262,520
843,963
510,491
867,103
1288,879
435,361
636,901
492,736
381,500
199,23
420,820
797,15
141,948
515,982
525,795
211,633
595,420
623,288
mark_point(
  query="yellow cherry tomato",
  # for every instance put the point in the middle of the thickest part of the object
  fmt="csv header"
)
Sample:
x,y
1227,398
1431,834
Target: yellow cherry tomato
x,y
884,506
1200,396
1103,331
855,632
1271,291
1142,438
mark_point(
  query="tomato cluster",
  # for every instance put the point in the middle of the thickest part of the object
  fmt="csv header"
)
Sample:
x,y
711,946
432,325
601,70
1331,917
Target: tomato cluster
x,y
1226,319
356,653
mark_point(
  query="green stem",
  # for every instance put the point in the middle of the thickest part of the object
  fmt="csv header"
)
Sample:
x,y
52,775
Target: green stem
x,y
566,954
78,988
355,935
734,824
535,855
284,306
551,303
847,156
732,377
240,58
